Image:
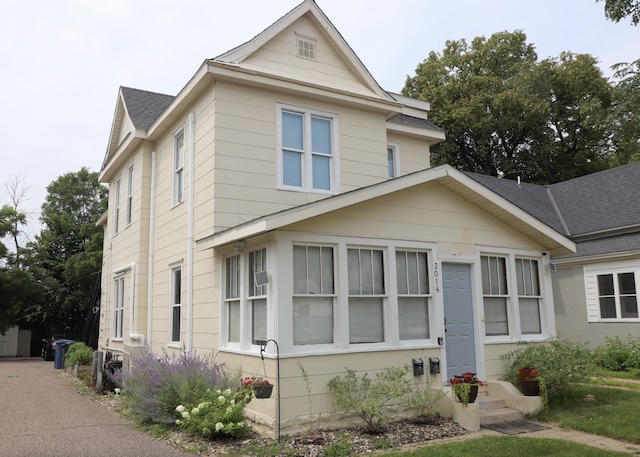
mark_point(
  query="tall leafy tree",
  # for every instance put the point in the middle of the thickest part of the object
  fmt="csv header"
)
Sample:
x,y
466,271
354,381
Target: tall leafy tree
x,y
616,10
624,121
506,114
67,254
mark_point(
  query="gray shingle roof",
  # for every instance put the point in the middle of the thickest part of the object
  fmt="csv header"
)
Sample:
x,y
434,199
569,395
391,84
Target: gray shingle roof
x,y
144,107
607,201
414,122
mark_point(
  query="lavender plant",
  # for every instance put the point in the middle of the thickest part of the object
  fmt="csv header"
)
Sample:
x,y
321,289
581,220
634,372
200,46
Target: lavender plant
x,y
154,387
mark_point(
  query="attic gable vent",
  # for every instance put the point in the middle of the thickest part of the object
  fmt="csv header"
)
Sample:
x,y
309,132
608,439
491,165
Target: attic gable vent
x,y
306,47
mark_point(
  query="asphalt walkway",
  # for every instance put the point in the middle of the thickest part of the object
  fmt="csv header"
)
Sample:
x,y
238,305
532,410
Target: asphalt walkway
x,y
41,416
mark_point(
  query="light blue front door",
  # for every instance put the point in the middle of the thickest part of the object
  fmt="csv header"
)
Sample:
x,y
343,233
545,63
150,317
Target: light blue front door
x,y
458,313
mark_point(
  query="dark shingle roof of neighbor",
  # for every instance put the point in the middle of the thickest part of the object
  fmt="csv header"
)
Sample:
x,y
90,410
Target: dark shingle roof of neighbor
x,y
414,122
607,201
144,107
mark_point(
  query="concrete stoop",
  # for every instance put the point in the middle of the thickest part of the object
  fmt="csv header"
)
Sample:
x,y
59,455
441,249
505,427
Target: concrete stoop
x,y
494,410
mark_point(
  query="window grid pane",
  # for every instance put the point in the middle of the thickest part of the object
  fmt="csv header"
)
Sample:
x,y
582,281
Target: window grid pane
x,y
233,311
366,321
233,277
494,275
312,320
366,272
321,135
413,315
257,263
259,321
495,314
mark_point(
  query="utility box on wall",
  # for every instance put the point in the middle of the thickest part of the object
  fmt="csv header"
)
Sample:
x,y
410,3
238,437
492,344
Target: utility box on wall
x,y
434,365
418,367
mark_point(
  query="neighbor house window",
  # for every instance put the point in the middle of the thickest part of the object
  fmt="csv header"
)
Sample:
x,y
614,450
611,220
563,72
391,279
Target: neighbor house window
x,y
257,296
412,272
307,153
175,304
178,167
495,294
618,296
392,161
118,306
232,298
366,295
130,195
313,294
116,222
529,297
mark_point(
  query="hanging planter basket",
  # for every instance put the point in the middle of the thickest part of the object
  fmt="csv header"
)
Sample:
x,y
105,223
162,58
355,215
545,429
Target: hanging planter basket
x,y
263,391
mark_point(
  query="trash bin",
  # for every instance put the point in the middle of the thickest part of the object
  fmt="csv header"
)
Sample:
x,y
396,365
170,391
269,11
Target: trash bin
x,y
62,346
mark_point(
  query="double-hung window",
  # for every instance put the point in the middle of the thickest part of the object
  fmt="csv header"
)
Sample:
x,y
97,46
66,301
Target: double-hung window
x,y
257,296
366,295
118,316
130,195
232,298
307,153
313,295
412,272
175,305
116,222
178,167
618,295
495,294
529,297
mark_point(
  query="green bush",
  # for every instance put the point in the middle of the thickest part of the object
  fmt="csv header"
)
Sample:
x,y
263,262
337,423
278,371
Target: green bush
x,y
422,400
78,354
220,413
562,364
619,355
368,398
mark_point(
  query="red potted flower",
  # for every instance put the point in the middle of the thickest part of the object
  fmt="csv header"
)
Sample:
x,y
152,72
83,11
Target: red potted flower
x,y
528,379
465,387
260,386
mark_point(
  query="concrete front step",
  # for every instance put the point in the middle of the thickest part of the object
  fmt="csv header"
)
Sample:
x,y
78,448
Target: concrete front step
x,y
493,410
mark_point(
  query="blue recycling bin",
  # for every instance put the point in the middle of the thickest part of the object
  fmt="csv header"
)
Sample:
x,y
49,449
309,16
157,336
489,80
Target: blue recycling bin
x,y
62,346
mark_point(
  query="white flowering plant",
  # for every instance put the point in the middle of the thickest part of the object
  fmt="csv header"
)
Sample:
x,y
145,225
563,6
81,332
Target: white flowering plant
x,y
220,414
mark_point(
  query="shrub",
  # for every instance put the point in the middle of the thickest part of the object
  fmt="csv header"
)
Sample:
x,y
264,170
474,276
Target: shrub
x,y
221,413
78,354
368,398
619,355
422,399
155,387
561,363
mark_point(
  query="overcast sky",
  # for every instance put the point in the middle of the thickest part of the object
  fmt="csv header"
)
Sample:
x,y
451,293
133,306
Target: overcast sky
x,y
62,62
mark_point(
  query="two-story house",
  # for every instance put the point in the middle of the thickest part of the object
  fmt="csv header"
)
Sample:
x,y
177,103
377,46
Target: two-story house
x,y
283,201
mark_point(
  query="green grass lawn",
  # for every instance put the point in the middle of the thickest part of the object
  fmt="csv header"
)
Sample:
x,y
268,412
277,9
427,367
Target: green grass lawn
x,y
508,446
613,413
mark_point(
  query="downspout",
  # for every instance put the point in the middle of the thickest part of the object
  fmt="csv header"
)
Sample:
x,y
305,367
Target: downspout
x,y
152,227
190,230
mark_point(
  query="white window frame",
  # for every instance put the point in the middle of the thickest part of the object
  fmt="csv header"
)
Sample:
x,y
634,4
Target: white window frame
x,y
257,295
130,195
592,272
306,152
512,297
415,291
317,295
118,307
116,221
393,160
233,296
175,272
178,166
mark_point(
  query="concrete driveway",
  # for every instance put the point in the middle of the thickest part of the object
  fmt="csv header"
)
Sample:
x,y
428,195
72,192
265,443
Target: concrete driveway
x,y
40,415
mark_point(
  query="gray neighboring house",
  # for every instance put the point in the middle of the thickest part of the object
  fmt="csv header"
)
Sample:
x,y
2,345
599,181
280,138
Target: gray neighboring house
x,y
595,290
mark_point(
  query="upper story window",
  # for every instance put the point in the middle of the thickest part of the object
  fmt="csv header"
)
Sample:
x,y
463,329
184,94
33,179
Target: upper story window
x,y
618,295
307,154
116,220
306,47
130,195
178,167
392,161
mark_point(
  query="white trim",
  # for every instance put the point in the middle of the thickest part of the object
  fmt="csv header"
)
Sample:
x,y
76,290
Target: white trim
x,y
396,160
591,273
177,193
172,268
151,247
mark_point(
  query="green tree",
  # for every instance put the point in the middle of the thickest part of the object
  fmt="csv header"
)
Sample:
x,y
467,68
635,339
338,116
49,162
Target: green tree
x,y
616,10
506,114
624,121
67,254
